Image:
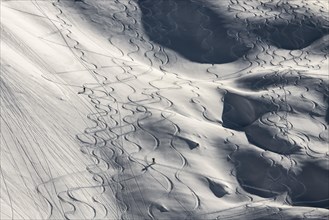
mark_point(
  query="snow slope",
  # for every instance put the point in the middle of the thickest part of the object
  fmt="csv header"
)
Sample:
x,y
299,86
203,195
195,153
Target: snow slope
x,y
230,97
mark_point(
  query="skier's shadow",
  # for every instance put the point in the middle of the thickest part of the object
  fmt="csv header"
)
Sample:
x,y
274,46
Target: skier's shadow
x,y
146,167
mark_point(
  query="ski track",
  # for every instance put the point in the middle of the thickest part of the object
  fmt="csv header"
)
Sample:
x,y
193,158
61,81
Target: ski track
x,y
132,116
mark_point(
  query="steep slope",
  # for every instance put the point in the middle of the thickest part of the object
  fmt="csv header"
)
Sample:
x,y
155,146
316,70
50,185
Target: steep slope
x,y
229,97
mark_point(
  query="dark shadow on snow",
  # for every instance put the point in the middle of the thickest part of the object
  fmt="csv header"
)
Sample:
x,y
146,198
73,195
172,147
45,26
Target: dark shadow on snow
x,y
148,166
237,117
308,187
216,188
295,32
291,36
191,29
200,34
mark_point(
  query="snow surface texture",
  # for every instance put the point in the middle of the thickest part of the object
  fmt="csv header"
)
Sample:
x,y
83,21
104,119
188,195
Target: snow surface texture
x,y
229,96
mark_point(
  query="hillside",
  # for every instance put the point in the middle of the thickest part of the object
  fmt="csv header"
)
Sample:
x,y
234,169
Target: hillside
x,y
164,109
